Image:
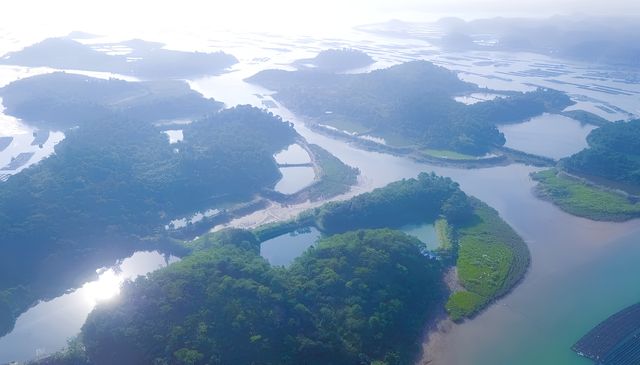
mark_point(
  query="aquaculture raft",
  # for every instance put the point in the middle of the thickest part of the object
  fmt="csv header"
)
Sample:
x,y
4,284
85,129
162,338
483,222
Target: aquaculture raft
x,y
616,341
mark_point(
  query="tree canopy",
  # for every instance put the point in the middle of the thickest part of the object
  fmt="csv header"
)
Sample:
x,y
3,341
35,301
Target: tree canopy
x,y
417,200
613,154
355,298
114,183
62,100
147,60
413,102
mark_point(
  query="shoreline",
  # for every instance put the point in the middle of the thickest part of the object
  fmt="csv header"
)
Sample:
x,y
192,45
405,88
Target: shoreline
x,y
504,156
433,341
540,191
438,327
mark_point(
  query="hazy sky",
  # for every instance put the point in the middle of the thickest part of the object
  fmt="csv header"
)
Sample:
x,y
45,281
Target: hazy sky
x,y
276,15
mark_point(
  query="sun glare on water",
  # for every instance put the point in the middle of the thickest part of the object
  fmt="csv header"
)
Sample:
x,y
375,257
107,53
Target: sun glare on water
x,y
106,287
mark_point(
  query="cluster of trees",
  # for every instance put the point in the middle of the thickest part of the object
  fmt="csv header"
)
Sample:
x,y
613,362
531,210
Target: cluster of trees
x,y
146,60
613,154
61,100
403,202
358,298
116,182
355,297
336,60
413,100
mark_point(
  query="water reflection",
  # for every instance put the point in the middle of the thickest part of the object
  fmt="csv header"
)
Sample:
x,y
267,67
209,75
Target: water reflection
x,y
46,327
282,250
294,179
474,98
549,135
426,233
175,135
294,154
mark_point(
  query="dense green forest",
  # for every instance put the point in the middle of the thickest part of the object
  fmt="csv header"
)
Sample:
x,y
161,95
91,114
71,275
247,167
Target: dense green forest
x,y
355,297
146,60
336,60
613,155
358,298
115,183
61,100
407,104
407,201
601,182
490,256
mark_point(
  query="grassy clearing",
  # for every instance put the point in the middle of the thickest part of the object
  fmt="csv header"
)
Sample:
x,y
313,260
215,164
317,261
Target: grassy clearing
x,y
463,304
444,234
492,258
452,155
578,198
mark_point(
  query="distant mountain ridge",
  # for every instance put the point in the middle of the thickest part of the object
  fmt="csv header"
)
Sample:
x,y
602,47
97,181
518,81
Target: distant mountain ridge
x,y
602,40
147,60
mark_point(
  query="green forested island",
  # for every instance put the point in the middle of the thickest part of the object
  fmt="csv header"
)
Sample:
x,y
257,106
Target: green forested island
x,y
490,257
411,104
116,181
111,185
356,296
146,60
62,100
336,60
361,297
613,156
601,182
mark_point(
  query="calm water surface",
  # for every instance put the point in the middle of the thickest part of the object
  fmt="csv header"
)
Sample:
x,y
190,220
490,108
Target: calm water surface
x,y
293,154
548,135
425,232
294,179
46,327
282,250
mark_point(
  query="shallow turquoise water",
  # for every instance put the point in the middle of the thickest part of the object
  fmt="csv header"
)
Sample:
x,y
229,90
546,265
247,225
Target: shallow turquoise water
x,y
425,232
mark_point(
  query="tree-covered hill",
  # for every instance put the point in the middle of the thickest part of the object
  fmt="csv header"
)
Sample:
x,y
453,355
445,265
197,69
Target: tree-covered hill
x,y
146,60
403,202
114,183
601,182
358,297
412,103
361,297
491,258
62,100
613,154
336,60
